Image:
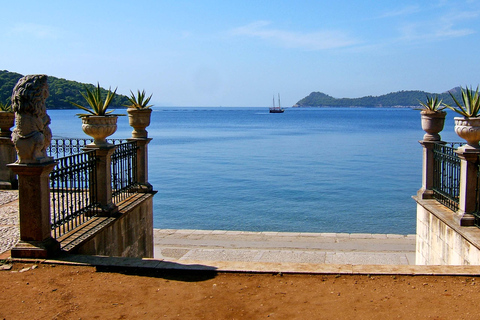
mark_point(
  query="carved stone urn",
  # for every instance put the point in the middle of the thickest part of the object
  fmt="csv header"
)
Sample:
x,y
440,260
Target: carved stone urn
x,y
139,119
469,130
99,128
432,124
7,120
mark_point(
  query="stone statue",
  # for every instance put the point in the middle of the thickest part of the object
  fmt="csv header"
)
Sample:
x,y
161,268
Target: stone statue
x,y
32,135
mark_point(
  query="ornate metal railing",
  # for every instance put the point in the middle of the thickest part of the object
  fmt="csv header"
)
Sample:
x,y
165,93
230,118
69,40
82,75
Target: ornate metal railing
x,y
446,175
124,171
72,182
62,147
72,192
66,147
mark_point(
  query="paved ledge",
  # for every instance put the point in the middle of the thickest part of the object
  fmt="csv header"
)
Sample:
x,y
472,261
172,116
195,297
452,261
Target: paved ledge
x,y
257,267
236,251
283,247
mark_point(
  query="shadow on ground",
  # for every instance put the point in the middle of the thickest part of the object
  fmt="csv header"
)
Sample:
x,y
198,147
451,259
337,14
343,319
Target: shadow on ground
x,y
144,267
169,274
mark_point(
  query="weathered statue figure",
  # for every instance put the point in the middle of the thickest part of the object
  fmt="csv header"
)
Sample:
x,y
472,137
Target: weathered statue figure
x,y
32,134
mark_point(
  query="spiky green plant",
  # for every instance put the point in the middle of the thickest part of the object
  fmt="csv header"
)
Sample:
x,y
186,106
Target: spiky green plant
x,y
470,106
7,106
139,101
432,104
98,106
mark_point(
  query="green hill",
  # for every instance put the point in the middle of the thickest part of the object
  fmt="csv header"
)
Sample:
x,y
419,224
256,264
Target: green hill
x,y
61,91
394,99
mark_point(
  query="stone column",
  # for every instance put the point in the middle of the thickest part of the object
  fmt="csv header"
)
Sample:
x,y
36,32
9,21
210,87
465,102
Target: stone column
x,y
8,179
468,185
142,164
426,192
35,229
103,179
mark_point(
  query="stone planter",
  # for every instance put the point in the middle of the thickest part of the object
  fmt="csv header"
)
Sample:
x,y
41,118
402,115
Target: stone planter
x,y
7,120
432,124
99,128
469,130
139,119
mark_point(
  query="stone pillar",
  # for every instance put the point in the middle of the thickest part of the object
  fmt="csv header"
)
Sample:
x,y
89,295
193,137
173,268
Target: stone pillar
x,y
31,138
8,179
468,185
142,164
426,192
103,179
35,229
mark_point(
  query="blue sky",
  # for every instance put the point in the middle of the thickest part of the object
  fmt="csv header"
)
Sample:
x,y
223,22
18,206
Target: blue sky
x,y
240,53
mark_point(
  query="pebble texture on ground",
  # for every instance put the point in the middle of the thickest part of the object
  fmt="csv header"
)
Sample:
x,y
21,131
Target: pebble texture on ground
x,y
9,224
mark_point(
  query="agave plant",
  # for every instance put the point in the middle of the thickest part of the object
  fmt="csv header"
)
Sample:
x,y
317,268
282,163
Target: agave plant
x,y
470,106
432,104
139,101
7,106
98,106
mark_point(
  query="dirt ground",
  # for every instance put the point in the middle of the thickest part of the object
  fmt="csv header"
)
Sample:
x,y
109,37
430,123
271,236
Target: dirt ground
x,y
73,292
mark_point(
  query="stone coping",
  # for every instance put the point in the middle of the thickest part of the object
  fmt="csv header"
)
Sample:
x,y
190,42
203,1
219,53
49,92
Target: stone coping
x,y
451,219
255,267
87,230
289,234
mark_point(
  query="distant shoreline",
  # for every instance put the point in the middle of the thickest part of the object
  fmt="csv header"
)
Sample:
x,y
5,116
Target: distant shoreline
x,y
292,107
365,107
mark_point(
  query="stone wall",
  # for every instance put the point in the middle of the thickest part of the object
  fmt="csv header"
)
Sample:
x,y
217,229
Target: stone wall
x,y
440,238
130,234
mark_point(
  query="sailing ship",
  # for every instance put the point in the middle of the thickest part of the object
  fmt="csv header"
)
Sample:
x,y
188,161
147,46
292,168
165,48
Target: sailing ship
x,y
278,109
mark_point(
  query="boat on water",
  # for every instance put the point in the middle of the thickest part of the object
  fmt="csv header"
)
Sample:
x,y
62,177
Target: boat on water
x,y
278,109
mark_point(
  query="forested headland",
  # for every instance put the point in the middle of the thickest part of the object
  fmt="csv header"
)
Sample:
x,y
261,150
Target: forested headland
x,y
61,91
403,99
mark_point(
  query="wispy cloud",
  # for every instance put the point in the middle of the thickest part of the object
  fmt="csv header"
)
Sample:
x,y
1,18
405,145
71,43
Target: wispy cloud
x,y
320,40
38,31
446,26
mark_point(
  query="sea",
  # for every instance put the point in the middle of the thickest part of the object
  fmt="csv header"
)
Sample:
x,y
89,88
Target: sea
x,y
333,170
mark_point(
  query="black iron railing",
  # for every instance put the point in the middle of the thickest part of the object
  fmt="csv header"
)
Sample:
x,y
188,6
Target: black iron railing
x,y
72,191
66,147
62,147
72,182
446,175
124,171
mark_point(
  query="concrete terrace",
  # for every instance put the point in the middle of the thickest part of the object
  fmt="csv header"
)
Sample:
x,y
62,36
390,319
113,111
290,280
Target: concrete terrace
x,y
288,247
210,247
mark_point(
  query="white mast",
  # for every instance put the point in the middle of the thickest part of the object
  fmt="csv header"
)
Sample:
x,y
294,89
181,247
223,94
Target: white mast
x,y
279,107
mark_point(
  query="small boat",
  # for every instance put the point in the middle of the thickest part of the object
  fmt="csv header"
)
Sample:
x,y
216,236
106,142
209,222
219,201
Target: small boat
x,y
278,109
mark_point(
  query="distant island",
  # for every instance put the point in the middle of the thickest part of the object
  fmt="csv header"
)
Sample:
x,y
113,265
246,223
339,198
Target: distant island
x,y
400,99
61,91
